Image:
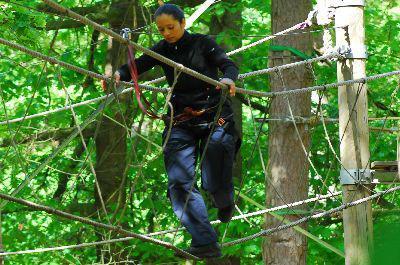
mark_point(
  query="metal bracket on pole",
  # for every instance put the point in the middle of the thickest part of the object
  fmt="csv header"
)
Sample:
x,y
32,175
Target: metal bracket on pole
x,y
355,176
343,50
357,52
353,52
344,3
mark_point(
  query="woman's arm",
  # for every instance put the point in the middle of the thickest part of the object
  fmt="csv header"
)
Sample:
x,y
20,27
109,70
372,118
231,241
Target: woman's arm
x,y
218,57
143,64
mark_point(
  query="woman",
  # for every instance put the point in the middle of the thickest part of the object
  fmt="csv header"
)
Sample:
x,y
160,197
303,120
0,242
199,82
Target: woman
x,y
196,105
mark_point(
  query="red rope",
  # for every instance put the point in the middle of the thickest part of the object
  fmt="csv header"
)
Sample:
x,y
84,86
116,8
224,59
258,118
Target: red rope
x,y
134,74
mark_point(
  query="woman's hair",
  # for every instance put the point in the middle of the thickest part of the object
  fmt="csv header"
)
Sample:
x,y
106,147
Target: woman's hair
x,y
170,9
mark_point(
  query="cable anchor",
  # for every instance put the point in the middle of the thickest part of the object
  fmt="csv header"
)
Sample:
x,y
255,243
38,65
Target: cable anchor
x,y
353,51
355,176
125,33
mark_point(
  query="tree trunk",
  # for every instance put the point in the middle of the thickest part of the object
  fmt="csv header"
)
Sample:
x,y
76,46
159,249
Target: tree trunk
x,y
288,166
231,25
111,138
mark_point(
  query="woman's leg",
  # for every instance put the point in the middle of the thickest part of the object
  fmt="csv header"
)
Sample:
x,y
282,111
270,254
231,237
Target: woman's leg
x,y
187,202
217,167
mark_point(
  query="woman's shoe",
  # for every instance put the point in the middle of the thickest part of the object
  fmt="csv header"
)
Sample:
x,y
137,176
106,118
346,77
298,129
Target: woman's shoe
x,y
203,252
225,214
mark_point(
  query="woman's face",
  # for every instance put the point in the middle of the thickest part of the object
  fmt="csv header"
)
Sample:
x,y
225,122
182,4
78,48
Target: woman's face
x,y
171,29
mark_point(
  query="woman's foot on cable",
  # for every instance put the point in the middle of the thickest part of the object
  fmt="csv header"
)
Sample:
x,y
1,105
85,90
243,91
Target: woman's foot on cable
x,y
203,252
225,214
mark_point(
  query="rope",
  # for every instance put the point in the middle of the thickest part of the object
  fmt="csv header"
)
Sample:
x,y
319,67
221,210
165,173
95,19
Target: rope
x,y
186,70
44,113
328,56
263,165
144,86
306,152
257,213
138,47
70,66
73,68
239,217
168,61
314,216
203,154
300,25
163,59
163,90
314,120
64,144
53,211
132,131
91,166
83,245
324,87
203,7
96,224
246,35
296,91
49,59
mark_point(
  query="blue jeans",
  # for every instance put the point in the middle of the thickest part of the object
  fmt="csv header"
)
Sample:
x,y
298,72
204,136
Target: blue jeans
x,y
184,148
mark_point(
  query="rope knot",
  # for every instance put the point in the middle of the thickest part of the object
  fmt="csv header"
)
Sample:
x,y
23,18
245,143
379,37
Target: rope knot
x,y
180,67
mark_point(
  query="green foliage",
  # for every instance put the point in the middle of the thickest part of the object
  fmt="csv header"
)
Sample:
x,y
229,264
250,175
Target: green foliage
x,y
30,86
387,232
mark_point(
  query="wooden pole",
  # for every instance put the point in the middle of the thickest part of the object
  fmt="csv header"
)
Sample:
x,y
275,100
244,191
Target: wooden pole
x,y
353,128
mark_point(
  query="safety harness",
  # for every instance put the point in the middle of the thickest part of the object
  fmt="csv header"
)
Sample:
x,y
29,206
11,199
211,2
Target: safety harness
x,y
188,112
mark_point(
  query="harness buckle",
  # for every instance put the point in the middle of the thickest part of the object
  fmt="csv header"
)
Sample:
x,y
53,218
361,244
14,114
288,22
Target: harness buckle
x,y
221,121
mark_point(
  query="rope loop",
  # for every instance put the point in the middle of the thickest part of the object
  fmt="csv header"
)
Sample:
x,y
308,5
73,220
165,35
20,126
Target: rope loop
x,y
180,67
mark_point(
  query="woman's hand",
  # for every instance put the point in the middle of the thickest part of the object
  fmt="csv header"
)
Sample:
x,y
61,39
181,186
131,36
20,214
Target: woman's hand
x,y
229,82
117,79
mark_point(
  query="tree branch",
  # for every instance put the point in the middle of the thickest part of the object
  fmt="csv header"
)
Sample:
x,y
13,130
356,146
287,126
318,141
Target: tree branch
x,y
85,10
69,24
188,3
54,135
338,217
252,104
102,13
90,65
381,105
64,178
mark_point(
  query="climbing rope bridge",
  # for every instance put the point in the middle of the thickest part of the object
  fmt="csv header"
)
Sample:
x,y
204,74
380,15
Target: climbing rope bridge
x,y
126,87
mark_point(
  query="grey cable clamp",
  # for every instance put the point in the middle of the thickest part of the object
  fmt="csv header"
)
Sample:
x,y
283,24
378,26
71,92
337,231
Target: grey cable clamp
x,y
125,33
355,176
353,52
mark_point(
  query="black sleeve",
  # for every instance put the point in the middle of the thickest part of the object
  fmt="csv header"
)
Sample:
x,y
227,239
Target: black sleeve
x,y
143,64
219,58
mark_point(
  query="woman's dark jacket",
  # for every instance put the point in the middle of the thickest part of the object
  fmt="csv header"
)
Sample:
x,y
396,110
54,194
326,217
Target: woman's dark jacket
x,y
200,53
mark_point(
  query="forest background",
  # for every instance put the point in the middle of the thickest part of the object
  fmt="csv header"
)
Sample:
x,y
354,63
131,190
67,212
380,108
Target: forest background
x,y
122,147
